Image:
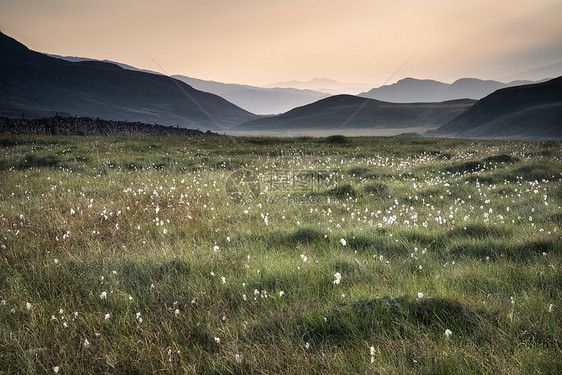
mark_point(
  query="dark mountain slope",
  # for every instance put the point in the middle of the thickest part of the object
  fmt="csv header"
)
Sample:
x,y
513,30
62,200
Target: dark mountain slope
x,y
31,82
528,111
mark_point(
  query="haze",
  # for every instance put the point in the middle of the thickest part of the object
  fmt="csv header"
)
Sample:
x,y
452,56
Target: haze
x,y
261,42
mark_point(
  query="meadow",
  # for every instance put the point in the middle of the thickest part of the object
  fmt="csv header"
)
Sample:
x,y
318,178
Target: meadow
x,y
273,255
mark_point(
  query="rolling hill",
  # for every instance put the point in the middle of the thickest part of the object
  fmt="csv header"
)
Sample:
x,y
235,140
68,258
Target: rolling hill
x,y
521,112
352,112
411,90
262,101
34,85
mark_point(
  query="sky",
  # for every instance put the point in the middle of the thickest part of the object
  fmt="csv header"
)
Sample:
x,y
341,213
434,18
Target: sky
x,y
260,42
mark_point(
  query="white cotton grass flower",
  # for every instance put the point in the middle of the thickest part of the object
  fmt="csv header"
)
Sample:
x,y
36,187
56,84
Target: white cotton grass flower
x,y
216,248
176,312
307,345
223,279
86,343
28,305
420,295
281,293
238,358
343,242
217,340
107,316
372,351
337,275
103,295
56,369
550,307
448,333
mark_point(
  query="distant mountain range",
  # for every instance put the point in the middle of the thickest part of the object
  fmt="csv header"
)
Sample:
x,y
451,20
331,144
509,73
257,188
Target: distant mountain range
x,y
34,84
352,112
259,100
325,85
411,90
521,112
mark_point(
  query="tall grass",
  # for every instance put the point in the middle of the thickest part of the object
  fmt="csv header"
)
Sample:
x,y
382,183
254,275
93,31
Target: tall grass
x,y
127,255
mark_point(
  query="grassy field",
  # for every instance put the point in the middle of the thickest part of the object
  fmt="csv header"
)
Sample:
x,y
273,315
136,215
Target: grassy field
x,y
383,255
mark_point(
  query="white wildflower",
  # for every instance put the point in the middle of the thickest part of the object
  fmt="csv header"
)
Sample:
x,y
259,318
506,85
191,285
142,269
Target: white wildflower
x,y
337,275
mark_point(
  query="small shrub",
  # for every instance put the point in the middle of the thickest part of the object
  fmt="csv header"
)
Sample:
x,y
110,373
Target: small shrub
x,y
502,158
376,188
336,139
466,167
306,235
342,191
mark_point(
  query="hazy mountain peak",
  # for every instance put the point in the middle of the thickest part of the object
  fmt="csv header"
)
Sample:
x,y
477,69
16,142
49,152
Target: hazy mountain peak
x,y
325,85
412,90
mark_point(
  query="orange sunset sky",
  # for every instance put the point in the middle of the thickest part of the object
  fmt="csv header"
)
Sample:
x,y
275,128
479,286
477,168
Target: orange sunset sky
x,y
264,41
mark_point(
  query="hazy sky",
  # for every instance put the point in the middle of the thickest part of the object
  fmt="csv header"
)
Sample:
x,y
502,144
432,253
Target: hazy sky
x,y
266,41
